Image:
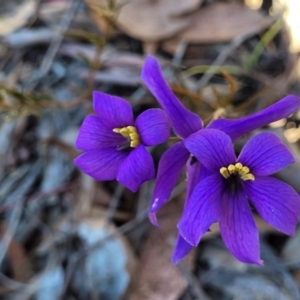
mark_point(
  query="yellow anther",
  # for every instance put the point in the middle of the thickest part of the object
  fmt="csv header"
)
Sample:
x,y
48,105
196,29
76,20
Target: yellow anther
x,y
245,170
132,128
134,144
131,133
248,177
231,169
224,172
238,168
134,136
125,132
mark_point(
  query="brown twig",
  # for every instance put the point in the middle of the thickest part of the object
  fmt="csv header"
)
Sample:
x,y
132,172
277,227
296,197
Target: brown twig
x,y
196,98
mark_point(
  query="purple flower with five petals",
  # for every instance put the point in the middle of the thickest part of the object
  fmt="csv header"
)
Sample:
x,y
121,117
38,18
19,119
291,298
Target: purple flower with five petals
x,y
223,196
115,143
185,123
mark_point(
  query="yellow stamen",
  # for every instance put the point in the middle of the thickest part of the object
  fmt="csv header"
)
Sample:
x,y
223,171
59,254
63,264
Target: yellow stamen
x,y
244,170
238,168
132,128
134,136
224,172
134,144
125,132
131,133
231,169
248,177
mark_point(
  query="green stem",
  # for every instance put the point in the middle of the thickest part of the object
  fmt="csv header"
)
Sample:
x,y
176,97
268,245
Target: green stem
x,y
234,70
262,44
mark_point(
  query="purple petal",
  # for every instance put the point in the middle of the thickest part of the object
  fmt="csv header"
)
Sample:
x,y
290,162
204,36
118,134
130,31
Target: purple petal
x,y
236,128
212,148
204,172
202,209
169,169
153,219
194,173
238,229
153,126
137,168
101,164
265,154
183,121
193,168
113,111
94,135
181,249
277,202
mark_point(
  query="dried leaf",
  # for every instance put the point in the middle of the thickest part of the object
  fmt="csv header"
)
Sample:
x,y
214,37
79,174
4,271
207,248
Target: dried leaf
x,y
148,20
12,20
222,22
20,264
151,20
158,278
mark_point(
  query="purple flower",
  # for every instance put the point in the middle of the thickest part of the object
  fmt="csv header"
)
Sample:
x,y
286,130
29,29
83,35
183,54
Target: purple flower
x,y
185,123
115,144
223,196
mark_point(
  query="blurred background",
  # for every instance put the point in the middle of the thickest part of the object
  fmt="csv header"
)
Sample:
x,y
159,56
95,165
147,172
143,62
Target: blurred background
x,y
66,236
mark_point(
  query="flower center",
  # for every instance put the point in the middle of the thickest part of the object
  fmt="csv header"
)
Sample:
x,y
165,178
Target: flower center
x,y
238,168
129,132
